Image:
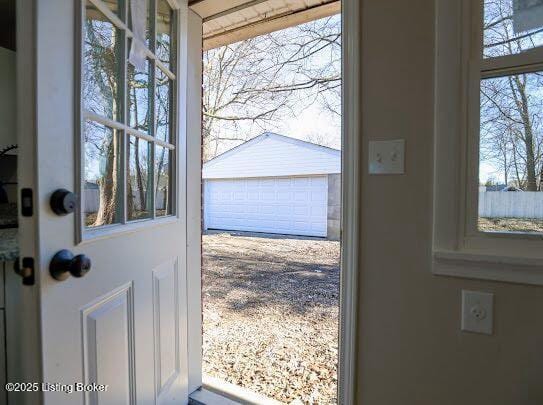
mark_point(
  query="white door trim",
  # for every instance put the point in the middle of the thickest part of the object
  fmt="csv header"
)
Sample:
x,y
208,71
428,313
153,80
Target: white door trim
x,y
351,200
193,200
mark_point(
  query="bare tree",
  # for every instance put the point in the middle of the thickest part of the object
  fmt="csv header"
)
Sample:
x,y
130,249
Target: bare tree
x,y
264,79
511,106
101,53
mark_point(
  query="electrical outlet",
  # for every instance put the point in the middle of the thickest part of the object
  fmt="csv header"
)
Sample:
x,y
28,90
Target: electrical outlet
x,y
477,312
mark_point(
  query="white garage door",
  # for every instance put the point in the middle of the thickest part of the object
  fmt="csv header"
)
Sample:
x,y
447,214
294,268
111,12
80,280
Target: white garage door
x,y
286,205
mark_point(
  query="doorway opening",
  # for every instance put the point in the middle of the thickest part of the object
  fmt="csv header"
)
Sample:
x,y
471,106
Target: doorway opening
x,y
271,207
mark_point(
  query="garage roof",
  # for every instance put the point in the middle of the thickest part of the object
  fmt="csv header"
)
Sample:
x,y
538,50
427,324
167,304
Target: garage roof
x,y
273,155
226,22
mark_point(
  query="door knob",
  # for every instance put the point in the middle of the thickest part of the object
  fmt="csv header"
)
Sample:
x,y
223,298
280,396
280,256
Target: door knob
x,y
63,202
65,263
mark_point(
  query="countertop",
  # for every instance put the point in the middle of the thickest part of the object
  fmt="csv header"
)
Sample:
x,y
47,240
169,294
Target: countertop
x,y
9,245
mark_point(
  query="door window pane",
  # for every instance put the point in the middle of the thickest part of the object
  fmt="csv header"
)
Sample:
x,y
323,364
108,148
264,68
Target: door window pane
x,y
102,60
139,91
123,179
102,175
512,26
163,101
116,6
511,154
139,179
164,33
163,196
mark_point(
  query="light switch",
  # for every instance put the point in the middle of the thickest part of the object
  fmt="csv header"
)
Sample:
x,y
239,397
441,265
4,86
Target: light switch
x,y
386,157
477,312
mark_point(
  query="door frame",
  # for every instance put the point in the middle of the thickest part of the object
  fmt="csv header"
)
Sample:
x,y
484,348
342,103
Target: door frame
x,y
351,166
350,203
23,359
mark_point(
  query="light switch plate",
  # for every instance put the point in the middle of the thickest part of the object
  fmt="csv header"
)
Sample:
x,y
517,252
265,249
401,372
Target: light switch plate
x,y
386,157
477,312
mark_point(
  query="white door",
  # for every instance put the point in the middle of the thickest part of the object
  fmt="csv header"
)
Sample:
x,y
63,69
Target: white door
x,y
283,205
118,142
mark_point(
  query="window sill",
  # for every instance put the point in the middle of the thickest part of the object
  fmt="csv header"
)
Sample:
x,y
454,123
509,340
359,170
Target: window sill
x,y
488,267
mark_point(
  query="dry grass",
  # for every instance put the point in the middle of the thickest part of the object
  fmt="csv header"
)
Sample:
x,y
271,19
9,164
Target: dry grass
x,y
271,315
511,225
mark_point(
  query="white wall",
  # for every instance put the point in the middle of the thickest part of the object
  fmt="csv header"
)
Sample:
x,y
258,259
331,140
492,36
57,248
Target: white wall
x,y
410,348
8,135
272,156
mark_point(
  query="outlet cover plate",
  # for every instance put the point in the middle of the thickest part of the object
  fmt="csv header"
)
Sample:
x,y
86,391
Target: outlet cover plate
x,y
477,312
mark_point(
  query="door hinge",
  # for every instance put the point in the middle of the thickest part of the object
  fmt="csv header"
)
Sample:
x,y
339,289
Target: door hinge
x,y
25,269
27,202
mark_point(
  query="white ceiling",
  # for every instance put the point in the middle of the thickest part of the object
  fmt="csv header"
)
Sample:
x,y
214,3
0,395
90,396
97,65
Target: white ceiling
x,y
226,22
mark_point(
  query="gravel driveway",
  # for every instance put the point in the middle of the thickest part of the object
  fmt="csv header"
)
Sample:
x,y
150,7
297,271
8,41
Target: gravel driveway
x,y
270,315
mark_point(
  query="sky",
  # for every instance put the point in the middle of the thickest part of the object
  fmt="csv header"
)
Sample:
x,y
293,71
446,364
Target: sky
x,y
313,124
487,171
310,119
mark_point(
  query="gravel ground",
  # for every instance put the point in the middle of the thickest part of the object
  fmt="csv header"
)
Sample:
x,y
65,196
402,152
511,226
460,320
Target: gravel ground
x,y
270,315
510,225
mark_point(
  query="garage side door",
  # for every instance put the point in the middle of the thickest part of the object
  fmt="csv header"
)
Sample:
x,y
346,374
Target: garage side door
x,y
285,205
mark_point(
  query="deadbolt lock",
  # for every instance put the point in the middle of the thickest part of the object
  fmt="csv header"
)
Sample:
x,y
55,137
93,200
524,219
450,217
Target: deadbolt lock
x,y
63,202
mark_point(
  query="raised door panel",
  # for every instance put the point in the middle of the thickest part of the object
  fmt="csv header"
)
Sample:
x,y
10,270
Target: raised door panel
x,y
108,343
166,326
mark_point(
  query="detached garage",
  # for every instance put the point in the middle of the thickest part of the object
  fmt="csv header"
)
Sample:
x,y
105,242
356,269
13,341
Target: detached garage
x,y
274,184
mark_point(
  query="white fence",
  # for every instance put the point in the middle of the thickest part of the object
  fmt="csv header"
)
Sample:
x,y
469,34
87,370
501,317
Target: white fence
x,y
92,200
511,204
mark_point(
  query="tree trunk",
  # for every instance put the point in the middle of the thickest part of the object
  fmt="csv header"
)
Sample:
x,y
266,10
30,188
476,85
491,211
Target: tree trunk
x,y
505,169
108,183
139,176
529,145
107,211
522,105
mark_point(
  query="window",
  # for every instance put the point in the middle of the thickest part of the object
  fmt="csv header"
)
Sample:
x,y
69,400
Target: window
x,y
511,118
488,189
128,132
